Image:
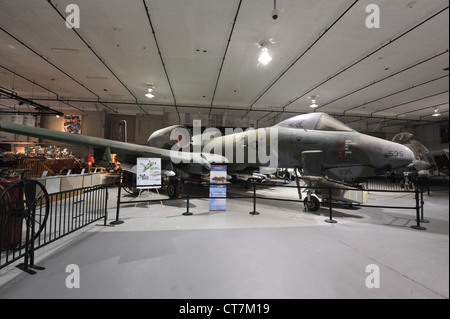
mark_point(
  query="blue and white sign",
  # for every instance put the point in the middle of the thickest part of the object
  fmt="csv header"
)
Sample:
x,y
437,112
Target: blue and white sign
x,y
218,175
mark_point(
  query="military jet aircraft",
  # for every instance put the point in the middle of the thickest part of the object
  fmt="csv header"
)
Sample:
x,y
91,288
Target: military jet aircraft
x,y
316,143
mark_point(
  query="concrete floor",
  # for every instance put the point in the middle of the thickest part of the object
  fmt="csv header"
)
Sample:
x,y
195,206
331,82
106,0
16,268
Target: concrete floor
x,y
283,253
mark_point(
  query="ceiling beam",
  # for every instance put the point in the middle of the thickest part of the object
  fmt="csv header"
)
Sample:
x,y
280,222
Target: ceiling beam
x,y
223,108
162,59
389,42
412,101
43,110
98,57
224,57
39,85
395,93
384,78
52,64
301,56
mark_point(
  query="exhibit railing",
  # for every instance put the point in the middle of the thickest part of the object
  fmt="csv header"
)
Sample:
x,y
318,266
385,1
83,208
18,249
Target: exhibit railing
x,y
331,198
30,218
36,166
394,184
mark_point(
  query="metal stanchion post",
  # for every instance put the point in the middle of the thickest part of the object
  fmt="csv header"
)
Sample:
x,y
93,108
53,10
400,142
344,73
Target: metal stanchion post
x,y
421,208
106,204
254,212
32,214
187,213
418,213
330,220
119,194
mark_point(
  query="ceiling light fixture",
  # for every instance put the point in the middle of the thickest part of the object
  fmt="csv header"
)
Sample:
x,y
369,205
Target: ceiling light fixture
x,y
265,57
314,101
150,90
436,113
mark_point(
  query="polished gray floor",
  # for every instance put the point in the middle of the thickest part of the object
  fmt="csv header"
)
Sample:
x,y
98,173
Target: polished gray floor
x,y
284,252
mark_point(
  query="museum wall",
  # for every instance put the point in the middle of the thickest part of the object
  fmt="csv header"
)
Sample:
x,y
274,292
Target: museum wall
x,y
433,136
12,142
139,126
225,120
92,124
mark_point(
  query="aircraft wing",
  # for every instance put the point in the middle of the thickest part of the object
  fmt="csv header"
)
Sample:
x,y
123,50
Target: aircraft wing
x,y
109,146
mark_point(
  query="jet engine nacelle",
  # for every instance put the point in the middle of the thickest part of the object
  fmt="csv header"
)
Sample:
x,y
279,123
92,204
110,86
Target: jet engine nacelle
x,y
167,137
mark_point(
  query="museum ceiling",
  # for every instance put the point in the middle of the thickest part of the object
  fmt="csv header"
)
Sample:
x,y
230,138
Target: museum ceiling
x,y
202,56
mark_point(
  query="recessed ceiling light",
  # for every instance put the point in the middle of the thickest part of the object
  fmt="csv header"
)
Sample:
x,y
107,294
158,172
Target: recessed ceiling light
x,y
65,50
97,77
412,4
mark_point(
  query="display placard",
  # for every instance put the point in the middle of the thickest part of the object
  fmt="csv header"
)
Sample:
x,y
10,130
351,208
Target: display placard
x,y
218,175
148,172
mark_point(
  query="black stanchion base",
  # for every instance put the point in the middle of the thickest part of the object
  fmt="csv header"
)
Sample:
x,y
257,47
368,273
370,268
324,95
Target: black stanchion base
x,y
37,267
187,214
254,213
330,221
117,222
418,227
29,269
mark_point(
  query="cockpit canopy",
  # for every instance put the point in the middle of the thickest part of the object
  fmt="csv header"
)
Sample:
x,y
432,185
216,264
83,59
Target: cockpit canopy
x,y
315,121
403,138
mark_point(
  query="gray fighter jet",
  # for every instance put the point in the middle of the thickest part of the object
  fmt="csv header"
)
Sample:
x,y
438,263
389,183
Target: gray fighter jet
x,y
324,148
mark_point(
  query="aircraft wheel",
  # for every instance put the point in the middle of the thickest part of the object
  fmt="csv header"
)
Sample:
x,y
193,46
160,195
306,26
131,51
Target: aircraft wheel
x,y
313,204
348,206
173,190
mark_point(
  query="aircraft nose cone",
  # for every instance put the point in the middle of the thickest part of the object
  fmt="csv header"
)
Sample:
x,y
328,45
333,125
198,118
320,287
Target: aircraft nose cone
x,y
398,156
410,157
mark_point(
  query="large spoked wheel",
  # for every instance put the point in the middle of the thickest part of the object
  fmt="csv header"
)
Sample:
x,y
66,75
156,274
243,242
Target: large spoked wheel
x,y
129,183
23,203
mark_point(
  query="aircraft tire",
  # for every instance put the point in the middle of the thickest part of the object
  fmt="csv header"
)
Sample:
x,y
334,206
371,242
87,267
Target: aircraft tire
x,y
312,205
173,190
